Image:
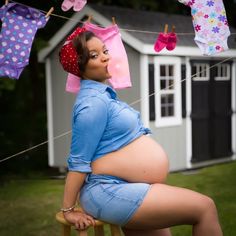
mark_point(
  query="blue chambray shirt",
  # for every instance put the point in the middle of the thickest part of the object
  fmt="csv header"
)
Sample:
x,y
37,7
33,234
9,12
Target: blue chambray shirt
x,y
100,124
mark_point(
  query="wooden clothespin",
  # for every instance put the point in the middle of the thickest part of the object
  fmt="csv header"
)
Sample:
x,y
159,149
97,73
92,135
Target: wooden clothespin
x,y
49,12
90,17
166,29
173,29
6,2
113,20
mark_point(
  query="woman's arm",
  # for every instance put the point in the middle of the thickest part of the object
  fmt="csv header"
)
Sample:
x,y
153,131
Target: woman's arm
x,y
73,184
88,124
74,181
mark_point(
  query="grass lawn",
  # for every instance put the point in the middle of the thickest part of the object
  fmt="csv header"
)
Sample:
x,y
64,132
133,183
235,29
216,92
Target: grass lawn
x,y
28,205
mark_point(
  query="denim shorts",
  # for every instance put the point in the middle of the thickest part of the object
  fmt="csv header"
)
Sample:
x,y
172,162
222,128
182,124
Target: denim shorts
x,y
111,199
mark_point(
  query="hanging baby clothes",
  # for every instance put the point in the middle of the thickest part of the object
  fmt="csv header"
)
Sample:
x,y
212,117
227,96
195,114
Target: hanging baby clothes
x,y
19,26
118,65
77,5
166,40
210,25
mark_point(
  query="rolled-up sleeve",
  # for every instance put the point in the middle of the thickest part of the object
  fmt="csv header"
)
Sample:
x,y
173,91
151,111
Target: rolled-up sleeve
x,y
88,124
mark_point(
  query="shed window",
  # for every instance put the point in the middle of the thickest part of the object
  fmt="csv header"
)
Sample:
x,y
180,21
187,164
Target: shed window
x,y
223,72
201,72
167,87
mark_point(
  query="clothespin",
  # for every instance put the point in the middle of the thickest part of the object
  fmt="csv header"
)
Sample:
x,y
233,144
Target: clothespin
x,y
173,29
113,20
6,2
49,12
166,29
90,17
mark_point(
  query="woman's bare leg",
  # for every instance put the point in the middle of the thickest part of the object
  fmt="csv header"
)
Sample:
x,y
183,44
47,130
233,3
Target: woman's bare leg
x,y
158,232
165,206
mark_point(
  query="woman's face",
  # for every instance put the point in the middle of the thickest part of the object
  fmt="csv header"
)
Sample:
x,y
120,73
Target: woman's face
x,y
96,68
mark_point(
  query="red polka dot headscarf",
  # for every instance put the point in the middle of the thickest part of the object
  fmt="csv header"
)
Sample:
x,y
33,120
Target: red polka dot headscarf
x,y
68,55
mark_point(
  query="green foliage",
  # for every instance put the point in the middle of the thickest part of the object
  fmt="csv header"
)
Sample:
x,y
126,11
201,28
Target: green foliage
x,y
28,206
6,84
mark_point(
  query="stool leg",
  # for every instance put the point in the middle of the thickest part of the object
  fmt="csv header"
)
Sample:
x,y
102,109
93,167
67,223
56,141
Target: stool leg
x,y
66,230
83,233
98,230
115,230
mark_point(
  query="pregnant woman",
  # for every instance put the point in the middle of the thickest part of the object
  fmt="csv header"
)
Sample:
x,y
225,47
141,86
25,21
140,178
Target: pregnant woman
x,y
115,168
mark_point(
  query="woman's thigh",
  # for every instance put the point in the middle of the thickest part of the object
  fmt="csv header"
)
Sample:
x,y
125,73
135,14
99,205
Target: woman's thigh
x,y
165,206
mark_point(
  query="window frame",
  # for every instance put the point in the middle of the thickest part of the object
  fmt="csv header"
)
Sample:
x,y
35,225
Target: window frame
x,y
199,70
223,78
176,119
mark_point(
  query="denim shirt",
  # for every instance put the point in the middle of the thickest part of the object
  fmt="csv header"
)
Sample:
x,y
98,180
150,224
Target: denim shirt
x,y
100,124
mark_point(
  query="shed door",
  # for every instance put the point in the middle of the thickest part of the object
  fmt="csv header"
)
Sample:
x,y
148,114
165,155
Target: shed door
x,y
211,111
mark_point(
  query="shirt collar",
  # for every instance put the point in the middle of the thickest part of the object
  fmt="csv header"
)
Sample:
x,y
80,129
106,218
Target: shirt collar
x,y
102,88
35,14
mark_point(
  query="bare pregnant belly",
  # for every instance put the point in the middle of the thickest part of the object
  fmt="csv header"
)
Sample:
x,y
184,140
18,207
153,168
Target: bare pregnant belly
x,y
143,160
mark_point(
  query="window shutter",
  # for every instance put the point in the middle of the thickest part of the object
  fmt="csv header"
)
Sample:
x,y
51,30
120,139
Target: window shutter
x,y
152,115
183,89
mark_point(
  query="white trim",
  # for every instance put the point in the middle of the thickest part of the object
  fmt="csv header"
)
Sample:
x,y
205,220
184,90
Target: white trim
x,y
58,37
188,113
49,113
144,89
177,118
211,162
234,109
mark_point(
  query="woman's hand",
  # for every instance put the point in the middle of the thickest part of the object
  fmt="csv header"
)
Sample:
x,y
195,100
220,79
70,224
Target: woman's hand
x,y
80,219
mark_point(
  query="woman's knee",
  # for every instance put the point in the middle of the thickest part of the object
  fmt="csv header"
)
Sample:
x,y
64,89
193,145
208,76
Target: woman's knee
x,y
209,207
210,204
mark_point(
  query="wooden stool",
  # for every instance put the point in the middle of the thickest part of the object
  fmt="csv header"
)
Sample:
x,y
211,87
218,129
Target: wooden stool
x,y
98,228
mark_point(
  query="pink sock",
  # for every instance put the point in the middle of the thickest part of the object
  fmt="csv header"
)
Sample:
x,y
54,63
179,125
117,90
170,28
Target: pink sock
x,y
79,4
172,40
67,4
161,42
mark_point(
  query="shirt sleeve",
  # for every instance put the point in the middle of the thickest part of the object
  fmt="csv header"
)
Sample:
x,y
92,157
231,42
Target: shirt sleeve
x,y
2,11
88,124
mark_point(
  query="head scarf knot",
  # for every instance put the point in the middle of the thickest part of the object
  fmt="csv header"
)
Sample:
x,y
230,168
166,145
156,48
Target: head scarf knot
x,y
68,55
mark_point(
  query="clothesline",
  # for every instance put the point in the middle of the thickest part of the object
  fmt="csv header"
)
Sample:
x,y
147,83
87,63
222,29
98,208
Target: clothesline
x,y
121,29
131,104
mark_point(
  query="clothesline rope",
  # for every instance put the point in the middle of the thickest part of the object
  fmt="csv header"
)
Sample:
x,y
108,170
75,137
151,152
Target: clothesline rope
x,y
121,29
131,104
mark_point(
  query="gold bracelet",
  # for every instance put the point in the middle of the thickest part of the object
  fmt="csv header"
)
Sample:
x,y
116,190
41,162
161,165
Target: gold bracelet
x,y
68,209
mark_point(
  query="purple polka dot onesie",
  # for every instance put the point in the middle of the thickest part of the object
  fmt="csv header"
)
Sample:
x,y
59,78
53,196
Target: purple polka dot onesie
x,y
210,25
19,26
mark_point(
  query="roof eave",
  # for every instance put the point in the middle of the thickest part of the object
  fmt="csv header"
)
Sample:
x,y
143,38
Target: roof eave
x,y
133,42
70,24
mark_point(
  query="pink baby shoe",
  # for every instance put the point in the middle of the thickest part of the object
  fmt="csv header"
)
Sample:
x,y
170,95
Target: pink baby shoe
x,y
79,5
161,42
172,40
67,4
